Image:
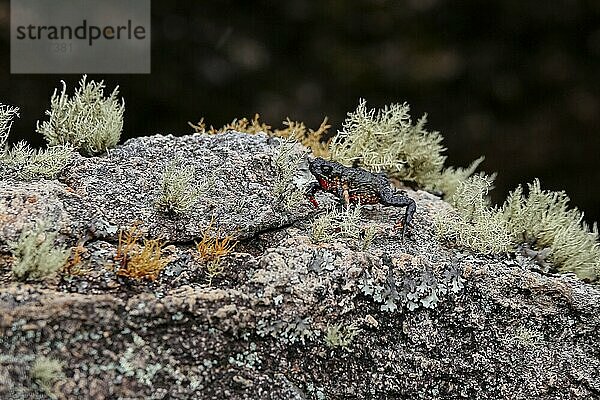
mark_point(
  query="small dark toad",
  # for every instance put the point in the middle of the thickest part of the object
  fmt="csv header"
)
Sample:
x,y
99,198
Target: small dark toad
x,y
356,185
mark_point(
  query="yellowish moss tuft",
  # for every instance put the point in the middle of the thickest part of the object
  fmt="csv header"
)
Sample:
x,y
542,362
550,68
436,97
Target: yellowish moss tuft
x,y
245,125
212,248
313,139
139,261
74,265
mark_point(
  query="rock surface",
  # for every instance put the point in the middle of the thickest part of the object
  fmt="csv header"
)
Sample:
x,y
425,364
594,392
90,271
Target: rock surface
x,y
423,319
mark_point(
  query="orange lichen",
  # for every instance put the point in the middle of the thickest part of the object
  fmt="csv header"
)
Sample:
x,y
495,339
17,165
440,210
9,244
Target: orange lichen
x,y
245,125
313,139
212,248
139,261
73,267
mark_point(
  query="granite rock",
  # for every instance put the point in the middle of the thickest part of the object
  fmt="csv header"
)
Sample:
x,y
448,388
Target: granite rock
x,y
431,321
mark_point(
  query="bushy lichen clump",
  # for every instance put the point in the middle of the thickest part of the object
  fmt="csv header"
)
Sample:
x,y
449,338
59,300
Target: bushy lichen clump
x,y
45,372
7,115
179,188
342,224
36,255
24,162
476,224
544,219
452,177
89,121
387,140
541,219
30,164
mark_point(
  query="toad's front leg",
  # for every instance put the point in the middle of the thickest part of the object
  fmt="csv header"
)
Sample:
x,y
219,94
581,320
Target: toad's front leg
x,y
389,198
311,191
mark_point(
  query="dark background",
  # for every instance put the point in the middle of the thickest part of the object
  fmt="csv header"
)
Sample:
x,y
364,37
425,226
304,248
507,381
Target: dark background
x,y
517,81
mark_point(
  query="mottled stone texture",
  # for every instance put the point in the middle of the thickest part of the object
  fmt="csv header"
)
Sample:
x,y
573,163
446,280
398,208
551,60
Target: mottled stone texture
x,y
435,321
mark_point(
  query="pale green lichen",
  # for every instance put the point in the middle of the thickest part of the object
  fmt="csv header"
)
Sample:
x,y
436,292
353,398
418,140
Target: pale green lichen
x,y
36,256
30,164
89,121
451,177
527,337
7,115
288,331
369,235
135,362
24,162
341,336
474,223
45,372
387,140
249,359
341,223
321,227
543,219
287,159
336,223
413,291
179,188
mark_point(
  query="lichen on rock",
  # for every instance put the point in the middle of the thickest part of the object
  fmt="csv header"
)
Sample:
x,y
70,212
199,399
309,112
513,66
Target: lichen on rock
x,y
428,320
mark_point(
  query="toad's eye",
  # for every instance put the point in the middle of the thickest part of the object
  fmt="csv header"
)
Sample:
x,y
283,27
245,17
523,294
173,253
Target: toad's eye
x,y
326,169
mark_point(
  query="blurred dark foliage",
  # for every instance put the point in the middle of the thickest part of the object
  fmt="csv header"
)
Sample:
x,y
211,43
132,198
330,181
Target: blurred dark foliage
x,y
517,81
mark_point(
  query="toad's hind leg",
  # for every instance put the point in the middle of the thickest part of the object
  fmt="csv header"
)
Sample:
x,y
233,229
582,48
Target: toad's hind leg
x,y
389,198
